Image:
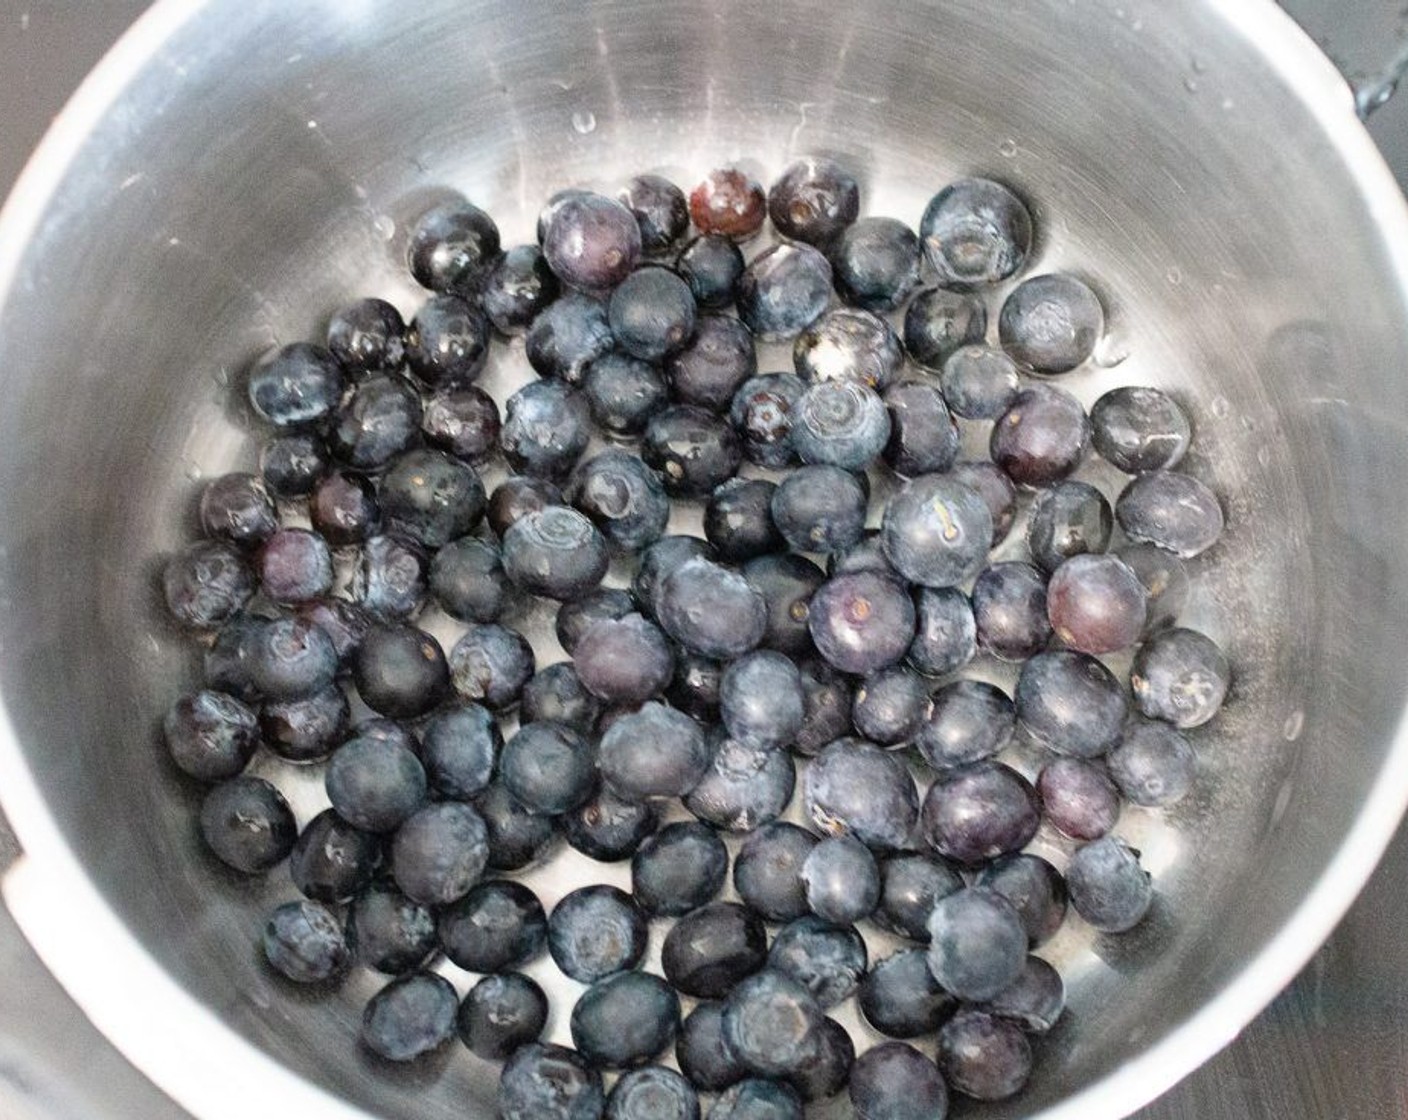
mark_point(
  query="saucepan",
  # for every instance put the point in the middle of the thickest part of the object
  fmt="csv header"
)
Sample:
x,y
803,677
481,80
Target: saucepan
x,y
235,169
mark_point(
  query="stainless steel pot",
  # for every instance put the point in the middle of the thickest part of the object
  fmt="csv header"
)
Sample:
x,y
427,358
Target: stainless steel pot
x,y
235,169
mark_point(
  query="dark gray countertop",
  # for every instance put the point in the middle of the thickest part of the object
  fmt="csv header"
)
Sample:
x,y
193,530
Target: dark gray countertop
x,y
1334,1046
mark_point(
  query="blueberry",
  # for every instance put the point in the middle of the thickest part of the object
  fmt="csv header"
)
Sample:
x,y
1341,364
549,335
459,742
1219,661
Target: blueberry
x,y
654,752
390,933
490,664
294,565
894,1081
814,200
1071,703
1165,581
295,386
568,336
773,1024
576,617
968,721
501,1014
453,247
1108,887
657,561
377,422
876,263
651,313
623,393
211,735
555,552
305,730
305,943
976,232
439,852
787,583
291,464
757,1098
826,1074
373,785
557,693
463,421
207,584
783,291
448,343
862,622
591,242
679,869
866,555
761,700
237,508
703,1055
547,425
1041,438
945,633
708,370
548,767
891,706
1070,519
693,449
899,997
979,382
288,659
344,509
820,508
826,959
520,286
1140,429
468,580
1078,798
499,925
411,1016
652,1093
623,497
625,1020
1180,676
555,202
938,323
609,828
1010,610
710,609
1096,604
936,532
910,884
389,732
840,423
1174,511
390,580
977,944
694,689
842,880
1034,1001
761,413
728,202
367,336
979,812
517,836
247,824
738,520
1153,765
660,210
923,436
995,488
744,786
226,661
625,660
847,344
517,496
984,1057
545,1082
400,671
767,871
1050,324
1034,887
595,931
854,787
459,745
711,265
346,623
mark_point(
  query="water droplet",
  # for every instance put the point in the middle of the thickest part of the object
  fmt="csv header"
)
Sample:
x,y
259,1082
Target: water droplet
x,y
1109,353
153,643
1174,275
193,472
385,227
359,190
222,377
312,124
1263,455
1295,723
1008,148
1199,66
1190,84
1137,25
1228,104
1248,424
584,121
1220,407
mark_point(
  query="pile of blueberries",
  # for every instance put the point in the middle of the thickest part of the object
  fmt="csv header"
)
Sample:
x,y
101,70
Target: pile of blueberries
x,y
842,584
